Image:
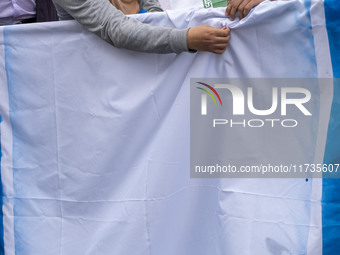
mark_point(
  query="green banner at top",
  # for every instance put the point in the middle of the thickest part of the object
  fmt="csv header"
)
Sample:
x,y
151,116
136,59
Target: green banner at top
x,y
214,3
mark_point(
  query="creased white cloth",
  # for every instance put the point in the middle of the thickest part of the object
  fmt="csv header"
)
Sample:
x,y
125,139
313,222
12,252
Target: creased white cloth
x,y
95,143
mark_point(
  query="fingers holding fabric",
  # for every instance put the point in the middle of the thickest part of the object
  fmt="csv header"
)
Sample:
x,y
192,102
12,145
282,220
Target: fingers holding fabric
x,y
232,8
207,38
242,7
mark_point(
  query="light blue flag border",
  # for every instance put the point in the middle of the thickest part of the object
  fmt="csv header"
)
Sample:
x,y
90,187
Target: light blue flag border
x,y
2,246
331,187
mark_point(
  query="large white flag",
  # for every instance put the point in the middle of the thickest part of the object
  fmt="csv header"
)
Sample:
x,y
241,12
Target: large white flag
x,y
95,141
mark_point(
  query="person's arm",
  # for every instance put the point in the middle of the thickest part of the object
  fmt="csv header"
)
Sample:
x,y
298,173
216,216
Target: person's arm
x,y
102,18
151,5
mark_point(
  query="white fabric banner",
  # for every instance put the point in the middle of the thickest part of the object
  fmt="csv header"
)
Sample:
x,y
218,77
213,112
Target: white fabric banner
x,y
95,141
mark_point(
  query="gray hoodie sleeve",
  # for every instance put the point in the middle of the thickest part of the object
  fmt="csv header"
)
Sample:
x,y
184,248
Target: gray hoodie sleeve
x,y
151,5
102,18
